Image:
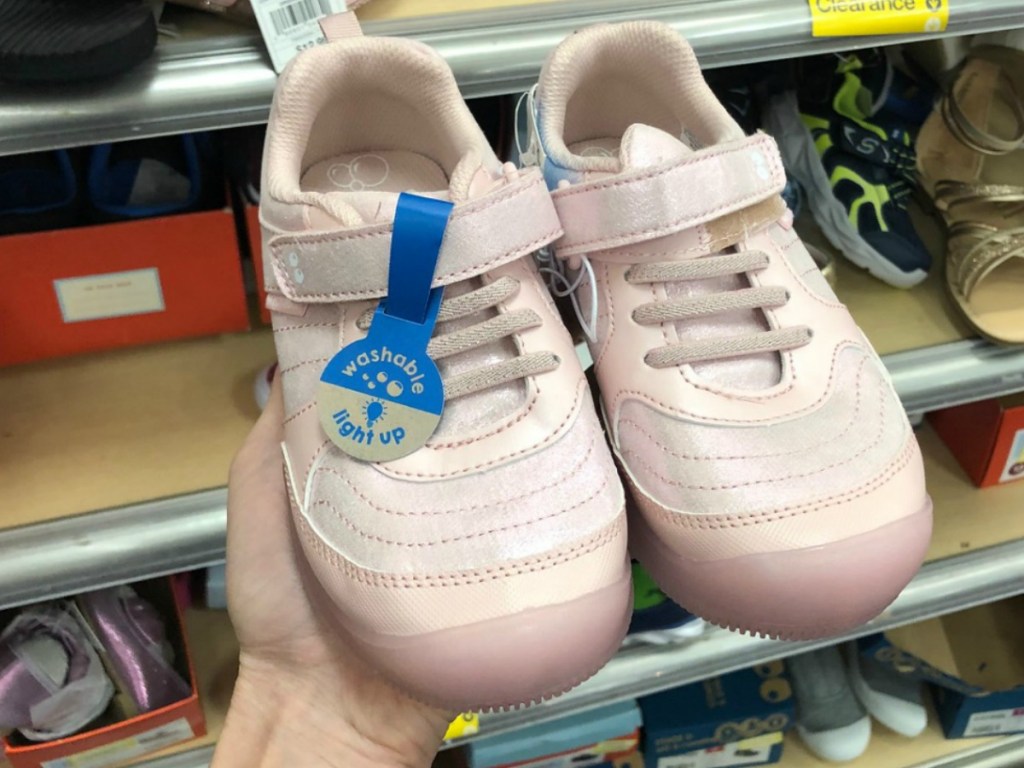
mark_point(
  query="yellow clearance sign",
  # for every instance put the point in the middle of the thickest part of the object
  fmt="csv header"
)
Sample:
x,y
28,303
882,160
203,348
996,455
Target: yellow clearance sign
x,y
841,18
466,724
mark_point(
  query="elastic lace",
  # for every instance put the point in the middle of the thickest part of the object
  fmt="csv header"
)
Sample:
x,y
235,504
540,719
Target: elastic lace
x,y
500,326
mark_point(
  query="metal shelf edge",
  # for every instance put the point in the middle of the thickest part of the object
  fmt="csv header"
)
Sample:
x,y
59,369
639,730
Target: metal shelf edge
x,y
932,378
1007,752
181,533
491,52
113,546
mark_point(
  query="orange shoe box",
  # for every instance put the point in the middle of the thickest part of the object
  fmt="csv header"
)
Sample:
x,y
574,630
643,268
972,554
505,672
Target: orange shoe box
x,y
987,438
118,740
115,285
251,213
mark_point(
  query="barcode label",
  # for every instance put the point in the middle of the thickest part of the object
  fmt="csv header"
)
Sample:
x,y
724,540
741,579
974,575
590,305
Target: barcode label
x,y
297,13
292,26
984,730
998,721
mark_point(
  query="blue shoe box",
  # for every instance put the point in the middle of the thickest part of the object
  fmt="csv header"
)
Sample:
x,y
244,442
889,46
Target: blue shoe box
x,y
972,661
592,739
736,707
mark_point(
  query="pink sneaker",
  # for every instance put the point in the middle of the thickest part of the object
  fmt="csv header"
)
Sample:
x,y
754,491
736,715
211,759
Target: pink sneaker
x,y
488,568
780,488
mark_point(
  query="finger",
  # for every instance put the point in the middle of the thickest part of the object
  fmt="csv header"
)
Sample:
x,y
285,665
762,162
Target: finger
x,y
257,467
269,427
258,519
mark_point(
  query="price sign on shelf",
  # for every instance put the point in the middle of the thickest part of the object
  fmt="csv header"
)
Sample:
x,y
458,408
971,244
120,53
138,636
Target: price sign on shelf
x,y
843,18
466,724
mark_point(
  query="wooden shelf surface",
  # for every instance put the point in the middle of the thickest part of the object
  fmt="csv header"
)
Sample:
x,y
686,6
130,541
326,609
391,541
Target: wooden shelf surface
x,y
897,320
99,431
887,750
967,518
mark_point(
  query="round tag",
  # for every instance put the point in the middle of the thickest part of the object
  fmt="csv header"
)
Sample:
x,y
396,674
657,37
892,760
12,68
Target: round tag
x,y
380,399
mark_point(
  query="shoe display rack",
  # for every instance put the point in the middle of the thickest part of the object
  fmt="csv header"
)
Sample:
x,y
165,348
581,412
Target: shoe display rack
x,y
214,75
113,465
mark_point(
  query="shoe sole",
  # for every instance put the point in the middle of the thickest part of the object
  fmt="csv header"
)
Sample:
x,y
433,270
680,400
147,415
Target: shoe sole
x,y
801,160
509,662
802,594
499,664
76,53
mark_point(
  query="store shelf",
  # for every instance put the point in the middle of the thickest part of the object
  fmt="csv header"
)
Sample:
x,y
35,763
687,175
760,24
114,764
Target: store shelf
x,y
967,566
104,460
644,670
976,557
135,434
929,750
129,437
216,75
929,350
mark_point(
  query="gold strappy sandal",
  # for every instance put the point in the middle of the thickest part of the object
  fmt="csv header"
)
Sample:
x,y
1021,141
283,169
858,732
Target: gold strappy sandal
x,y
971,159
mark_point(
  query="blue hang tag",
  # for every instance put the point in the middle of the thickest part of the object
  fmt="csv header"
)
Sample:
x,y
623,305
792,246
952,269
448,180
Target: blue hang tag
x,y
380,398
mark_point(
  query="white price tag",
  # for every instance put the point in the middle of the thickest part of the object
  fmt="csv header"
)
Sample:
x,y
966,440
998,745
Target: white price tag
x,y
992,723
755,751
118,752
113,294
291,26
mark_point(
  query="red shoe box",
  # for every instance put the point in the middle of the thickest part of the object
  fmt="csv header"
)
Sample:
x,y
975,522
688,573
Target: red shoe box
x,y
251,214
987,438
122,739
115,285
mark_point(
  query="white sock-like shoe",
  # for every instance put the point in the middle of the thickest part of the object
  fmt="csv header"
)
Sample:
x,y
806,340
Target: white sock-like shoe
x,y
830,719
892,699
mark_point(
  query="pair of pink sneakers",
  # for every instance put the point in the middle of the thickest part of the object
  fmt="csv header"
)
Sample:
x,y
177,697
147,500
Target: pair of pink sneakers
x,y
776,485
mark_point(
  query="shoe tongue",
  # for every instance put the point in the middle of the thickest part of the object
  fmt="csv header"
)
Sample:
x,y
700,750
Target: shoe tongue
x,y
644,146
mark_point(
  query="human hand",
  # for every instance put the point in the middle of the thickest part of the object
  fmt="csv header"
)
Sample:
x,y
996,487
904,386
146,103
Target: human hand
x,y
302,697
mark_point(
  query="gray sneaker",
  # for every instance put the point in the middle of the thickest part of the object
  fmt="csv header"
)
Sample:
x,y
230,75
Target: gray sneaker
x,y
829,718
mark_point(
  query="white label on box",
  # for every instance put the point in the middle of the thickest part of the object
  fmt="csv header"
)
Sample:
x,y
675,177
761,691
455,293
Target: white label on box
x,y
115,294
1014,469
291,26
747,752
995,722
127,749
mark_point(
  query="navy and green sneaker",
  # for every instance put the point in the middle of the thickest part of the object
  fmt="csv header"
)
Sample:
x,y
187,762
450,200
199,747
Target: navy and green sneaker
x,y
656,619
846,137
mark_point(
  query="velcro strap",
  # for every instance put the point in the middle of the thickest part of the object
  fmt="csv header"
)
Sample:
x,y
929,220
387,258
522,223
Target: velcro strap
x,y
640,205
352,264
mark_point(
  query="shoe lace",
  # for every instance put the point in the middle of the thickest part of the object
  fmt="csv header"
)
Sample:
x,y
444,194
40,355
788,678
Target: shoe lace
x,y
500,326
900,190
691,307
